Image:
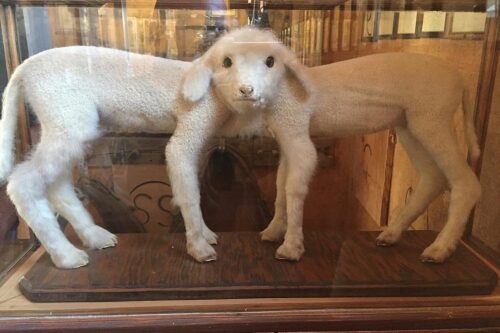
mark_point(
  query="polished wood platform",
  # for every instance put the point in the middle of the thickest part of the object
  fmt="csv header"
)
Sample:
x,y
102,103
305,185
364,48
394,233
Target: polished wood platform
x,y
153,267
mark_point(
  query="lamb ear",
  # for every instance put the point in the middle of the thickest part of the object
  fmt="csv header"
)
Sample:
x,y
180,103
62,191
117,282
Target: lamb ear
x,y
196,80
298,70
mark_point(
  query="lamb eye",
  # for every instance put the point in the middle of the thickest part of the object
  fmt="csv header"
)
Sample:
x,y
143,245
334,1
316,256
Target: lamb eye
x,y
270,62
227,62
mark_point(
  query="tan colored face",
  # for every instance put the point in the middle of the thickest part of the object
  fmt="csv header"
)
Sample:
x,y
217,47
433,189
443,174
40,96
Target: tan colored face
x,y
246,67
247,75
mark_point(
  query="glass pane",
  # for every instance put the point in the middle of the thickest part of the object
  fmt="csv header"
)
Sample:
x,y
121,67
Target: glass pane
x,y
15,239
486,229
111,145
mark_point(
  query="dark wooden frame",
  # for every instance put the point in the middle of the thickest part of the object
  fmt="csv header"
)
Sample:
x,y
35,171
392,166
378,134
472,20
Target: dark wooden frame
x,y
491,51
453,318
455,5
21,248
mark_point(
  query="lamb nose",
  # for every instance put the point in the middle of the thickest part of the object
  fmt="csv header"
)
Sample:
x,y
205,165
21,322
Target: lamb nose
x,y
246,90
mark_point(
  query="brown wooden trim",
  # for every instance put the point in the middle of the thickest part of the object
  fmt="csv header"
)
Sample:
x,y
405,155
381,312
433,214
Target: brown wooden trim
x,y
188,4
455,5
486,82
487,76
341,29
12,60
327,27
463,317
389,168
8,26
3,25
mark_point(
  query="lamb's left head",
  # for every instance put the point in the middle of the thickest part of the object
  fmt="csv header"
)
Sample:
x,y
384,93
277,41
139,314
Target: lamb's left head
x,y
246,67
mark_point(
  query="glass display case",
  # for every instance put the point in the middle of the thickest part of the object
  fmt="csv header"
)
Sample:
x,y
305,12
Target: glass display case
x,y
149,282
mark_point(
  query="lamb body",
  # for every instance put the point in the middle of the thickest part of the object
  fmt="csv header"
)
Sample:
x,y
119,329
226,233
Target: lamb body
x,y
120,90
78,93
416,94
376,92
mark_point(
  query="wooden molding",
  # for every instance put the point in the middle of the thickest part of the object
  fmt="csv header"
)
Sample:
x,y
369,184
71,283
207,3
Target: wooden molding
x,y
458,317
484,93
455,5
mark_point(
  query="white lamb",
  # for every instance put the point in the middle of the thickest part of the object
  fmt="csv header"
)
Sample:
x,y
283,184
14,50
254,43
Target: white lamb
x,y
78,91
416,94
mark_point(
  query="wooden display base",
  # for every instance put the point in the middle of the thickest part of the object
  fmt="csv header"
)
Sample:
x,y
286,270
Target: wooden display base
x,y
153,267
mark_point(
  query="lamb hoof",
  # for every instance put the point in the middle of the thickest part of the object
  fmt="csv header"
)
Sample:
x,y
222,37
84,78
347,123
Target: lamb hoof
x,y
71,259
99,238
290,252
202,251
387,238
436,253
210,236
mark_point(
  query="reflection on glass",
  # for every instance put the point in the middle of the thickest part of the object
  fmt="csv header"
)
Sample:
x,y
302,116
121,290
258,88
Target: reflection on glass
x,y
361,183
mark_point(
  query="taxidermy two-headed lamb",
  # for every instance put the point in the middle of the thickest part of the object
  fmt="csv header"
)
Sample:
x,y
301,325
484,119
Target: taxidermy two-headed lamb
x,y
245,82
80,92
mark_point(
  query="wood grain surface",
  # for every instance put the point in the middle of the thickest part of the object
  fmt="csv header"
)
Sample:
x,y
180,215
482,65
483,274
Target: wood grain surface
x,y
153,267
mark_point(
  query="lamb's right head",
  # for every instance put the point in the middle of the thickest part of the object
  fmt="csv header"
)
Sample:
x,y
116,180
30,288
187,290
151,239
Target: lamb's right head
x,y
246,67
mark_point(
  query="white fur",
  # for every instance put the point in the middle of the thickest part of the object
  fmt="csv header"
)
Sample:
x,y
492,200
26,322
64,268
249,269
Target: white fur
x,y
79,91
417,94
